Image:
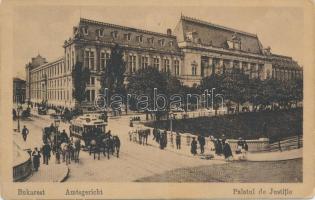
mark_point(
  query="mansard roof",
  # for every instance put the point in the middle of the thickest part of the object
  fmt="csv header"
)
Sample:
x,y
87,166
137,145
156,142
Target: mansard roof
x,y
210,34
280,61
149,39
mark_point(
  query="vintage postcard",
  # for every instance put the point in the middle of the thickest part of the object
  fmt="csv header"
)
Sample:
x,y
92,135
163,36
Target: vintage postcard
x,y
157,99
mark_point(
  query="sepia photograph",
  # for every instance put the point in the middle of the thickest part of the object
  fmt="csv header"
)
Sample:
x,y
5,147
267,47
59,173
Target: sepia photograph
x,y
169,93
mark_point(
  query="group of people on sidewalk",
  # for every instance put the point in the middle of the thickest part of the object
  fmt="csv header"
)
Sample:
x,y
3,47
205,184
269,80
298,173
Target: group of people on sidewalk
x,y
48,147
202,142
160,137
221,145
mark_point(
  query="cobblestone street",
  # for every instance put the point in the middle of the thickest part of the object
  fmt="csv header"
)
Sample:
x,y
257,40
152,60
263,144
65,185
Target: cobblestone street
x,y
135,161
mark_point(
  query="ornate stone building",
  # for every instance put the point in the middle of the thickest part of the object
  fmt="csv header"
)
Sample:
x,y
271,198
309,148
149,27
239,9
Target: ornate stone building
x,y
19,90
195,50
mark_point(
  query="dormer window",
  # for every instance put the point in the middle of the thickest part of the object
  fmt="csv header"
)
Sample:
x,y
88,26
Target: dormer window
x,y
237,45
127,36
140,38
101,32
150,40
114,34
161,42
171,43
85,30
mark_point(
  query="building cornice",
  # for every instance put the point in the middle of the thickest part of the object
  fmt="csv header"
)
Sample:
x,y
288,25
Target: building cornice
x,y
126,28
190,45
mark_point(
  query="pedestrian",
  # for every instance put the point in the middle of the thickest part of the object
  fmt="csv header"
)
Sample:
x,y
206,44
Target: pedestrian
x,y
25,132
239,146
218,147
164,139
36,158
178,140
245,145
58,152
193,148
227,152
154,133
158,136
46,153
202,142
140,136
146,135
64,137
161,140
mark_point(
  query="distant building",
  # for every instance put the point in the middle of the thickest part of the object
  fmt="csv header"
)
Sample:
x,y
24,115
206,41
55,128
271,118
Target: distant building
x,y
194,50
19,90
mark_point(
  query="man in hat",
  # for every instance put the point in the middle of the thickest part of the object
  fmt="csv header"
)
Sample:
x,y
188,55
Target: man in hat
x,y
46,153
202,142
178,140
25,132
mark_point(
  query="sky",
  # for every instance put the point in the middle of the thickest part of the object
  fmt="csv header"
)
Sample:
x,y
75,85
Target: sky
x,y
43,29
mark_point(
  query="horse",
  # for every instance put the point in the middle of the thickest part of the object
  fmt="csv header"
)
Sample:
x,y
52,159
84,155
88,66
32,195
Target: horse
x,y
76,149
116,145
66,154
95,148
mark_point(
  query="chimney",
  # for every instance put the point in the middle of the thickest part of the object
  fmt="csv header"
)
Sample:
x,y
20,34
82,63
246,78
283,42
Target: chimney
x,y
169,31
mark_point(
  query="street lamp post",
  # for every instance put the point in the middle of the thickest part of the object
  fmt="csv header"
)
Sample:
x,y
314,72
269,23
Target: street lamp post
x,y
172,116
18,117
56,122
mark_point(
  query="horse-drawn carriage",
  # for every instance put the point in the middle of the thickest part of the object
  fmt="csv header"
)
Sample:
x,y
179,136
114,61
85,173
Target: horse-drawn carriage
x,y
91,128
87,127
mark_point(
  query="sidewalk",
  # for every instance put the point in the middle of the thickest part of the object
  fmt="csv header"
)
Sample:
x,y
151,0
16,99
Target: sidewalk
x,y
276,156
50,173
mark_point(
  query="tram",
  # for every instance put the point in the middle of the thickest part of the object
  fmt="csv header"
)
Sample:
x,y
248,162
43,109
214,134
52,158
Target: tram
x,y
87,127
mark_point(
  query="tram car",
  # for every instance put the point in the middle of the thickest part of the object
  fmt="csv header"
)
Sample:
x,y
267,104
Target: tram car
x,y
87,127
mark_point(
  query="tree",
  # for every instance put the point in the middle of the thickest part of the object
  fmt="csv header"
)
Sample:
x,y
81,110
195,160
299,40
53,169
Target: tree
x,y
144,81
80,77
113,76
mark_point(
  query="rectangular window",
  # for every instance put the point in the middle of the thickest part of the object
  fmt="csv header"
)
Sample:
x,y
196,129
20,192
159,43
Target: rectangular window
x,y
114,34
92,81
89,59
101,32
107,57
86,59
166,65
92,59
132,63
144,62
85,30
92,95
161,42
176,67
140,38
156,63
127,36
194,70
102,60
72,61
88,97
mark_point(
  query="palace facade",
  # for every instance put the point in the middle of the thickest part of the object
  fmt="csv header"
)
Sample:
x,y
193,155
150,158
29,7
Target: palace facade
x,y
194,50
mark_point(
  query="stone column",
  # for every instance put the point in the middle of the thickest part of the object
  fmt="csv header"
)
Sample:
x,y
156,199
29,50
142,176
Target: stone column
x,y
249,70
256,70
97,56
231,64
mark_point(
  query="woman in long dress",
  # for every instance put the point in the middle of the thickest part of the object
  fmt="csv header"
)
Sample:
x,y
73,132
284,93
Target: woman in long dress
x,y
227,150
36,159
193,148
